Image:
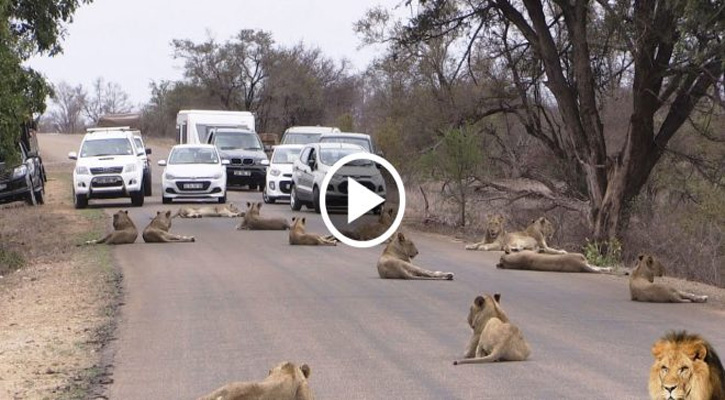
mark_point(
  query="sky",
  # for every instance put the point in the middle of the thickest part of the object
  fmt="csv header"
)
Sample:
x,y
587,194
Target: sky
x,y
128,41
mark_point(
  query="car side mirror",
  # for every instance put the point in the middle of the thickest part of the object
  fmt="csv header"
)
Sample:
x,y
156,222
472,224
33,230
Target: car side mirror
x,y
72,155
148,151
161,163
225,161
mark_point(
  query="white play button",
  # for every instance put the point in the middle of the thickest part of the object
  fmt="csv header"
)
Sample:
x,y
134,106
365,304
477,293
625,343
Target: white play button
x,y
360,200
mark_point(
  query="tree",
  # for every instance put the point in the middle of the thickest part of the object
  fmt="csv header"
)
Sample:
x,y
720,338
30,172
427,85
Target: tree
x,y
105,98
68,105
564,56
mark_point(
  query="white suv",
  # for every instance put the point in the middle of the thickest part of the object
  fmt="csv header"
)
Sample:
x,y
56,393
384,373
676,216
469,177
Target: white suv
x,y
107,167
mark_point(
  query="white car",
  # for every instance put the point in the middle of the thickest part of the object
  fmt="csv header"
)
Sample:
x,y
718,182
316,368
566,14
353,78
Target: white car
x,y
279,173
194,171
107,166
311,167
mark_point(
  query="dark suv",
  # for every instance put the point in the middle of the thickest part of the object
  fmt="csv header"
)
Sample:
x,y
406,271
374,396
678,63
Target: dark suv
x,y
24,181
247,160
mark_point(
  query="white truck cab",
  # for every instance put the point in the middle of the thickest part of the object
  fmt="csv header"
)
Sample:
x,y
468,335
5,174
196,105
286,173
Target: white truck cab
x,y
194,126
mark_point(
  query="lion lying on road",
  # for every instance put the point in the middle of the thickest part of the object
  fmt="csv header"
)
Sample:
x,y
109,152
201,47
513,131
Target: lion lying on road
x,y
643,288
298,236
533,238
374,229
495,232
396,262
286,381
533,261
158,230
686,367
494,337
227,210
124,231
254,222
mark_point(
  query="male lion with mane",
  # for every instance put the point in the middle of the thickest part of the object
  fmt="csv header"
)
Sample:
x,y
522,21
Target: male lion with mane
x,y
642,286
534,237
495,232
157,230
494,337
124,231
396,262
686,367
286,381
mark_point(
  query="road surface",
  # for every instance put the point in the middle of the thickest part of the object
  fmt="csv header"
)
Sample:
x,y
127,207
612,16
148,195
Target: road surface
x,y
235,303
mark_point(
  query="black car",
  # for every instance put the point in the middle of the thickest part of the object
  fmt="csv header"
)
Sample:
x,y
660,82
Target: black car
x,y
24,181
247,160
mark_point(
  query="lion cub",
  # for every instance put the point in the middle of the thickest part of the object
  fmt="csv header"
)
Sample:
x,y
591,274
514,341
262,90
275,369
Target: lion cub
x,y
227,211
298,236
157,230
286,381
396,262
254,222
494,337
495,232
533,238
124,231
533,261
643,288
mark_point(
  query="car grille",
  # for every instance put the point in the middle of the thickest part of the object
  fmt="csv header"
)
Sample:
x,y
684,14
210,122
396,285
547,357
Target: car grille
x,y
5,175
106,181
106,170
242,161
287,175
183,186
342,188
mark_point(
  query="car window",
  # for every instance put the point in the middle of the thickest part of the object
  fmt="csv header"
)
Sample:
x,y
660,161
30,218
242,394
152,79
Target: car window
x,y
285,156
305,154
106,147
237,140
193,155
300,138
331,156
364,143
139,145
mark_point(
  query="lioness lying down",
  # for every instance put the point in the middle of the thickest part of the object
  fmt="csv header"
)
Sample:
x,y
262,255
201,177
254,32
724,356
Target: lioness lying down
x,y
372,230
533,238
533,261
227,210
643,288
494,337
254,222
158,230
124,231
396,262
298,236
286,381
495,232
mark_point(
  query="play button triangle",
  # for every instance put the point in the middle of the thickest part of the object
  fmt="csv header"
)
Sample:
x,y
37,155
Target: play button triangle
x,y
360,200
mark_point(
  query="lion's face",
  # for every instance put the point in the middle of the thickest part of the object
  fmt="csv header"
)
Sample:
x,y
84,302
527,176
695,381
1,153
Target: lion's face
x,y
405,246
494,227
679,370
298,223
649,267
287,368
253,209
545,227
162,220
484,308
233,208
121,220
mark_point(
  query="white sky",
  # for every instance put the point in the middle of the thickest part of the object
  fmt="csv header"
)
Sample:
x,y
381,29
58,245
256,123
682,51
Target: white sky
x,y
128,41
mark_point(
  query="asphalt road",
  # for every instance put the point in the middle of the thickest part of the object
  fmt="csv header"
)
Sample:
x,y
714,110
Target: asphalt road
x,y
236,303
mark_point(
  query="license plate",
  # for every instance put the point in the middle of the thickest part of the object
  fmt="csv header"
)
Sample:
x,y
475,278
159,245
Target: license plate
x,y
106,179
3,186
242,173
193,186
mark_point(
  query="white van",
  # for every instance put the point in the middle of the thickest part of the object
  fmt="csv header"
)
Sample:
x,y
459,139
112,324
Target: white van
x,y
194,126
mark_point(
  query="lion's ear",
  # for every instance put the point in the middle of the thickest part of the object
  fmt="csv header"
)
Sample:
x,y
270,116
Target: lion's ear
x,y
304,220
390,212
249,204
168,213
641,256
259,204
698,350
294,219
479,301
497,297
658,349
306,371
401,237
126,211
158,212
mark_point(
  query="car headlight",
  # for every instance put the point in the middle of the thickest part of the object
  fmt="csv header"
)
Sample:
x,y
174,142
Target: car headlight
x,y
274,172
169,175
130,168
20,171
264,162
81,170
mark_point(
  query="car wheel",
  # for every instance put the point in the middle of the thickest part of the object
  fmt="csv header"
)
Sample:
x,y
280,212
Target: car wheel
x,y
266,198
147,185
165,200
294,203
223,199
261,188
316,199
80,201
40,195
30,197
137,198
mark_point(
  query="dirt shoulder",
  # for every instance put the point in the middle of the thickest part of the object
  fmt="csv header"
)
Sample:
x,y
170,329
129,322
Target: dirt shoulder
x,y
57,311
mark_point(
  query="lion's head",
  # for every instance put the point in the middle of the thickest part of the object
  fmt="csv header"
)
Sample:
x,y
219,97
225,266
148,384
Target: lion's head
x,y
685,367
543,226
121,220
494,227
162,220
253,209
298,224
402,247
232,208
483,309
648,267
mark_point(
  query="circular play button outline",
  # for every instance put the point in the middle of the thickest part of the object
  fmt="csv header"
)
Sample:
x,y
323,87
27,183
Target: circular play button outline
x,y
401,204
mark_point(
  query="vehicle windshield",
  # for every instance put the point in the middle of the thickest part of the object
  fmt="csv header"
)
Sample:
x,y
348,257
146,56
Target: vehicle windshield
x,y
204,130
285,156
300,138
193,155
330,156
365,144
237,140
106,147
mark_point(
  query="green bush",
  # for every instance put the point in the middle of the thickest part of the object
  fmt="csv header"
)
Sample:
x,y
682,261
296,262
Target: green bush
x,y
606,253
